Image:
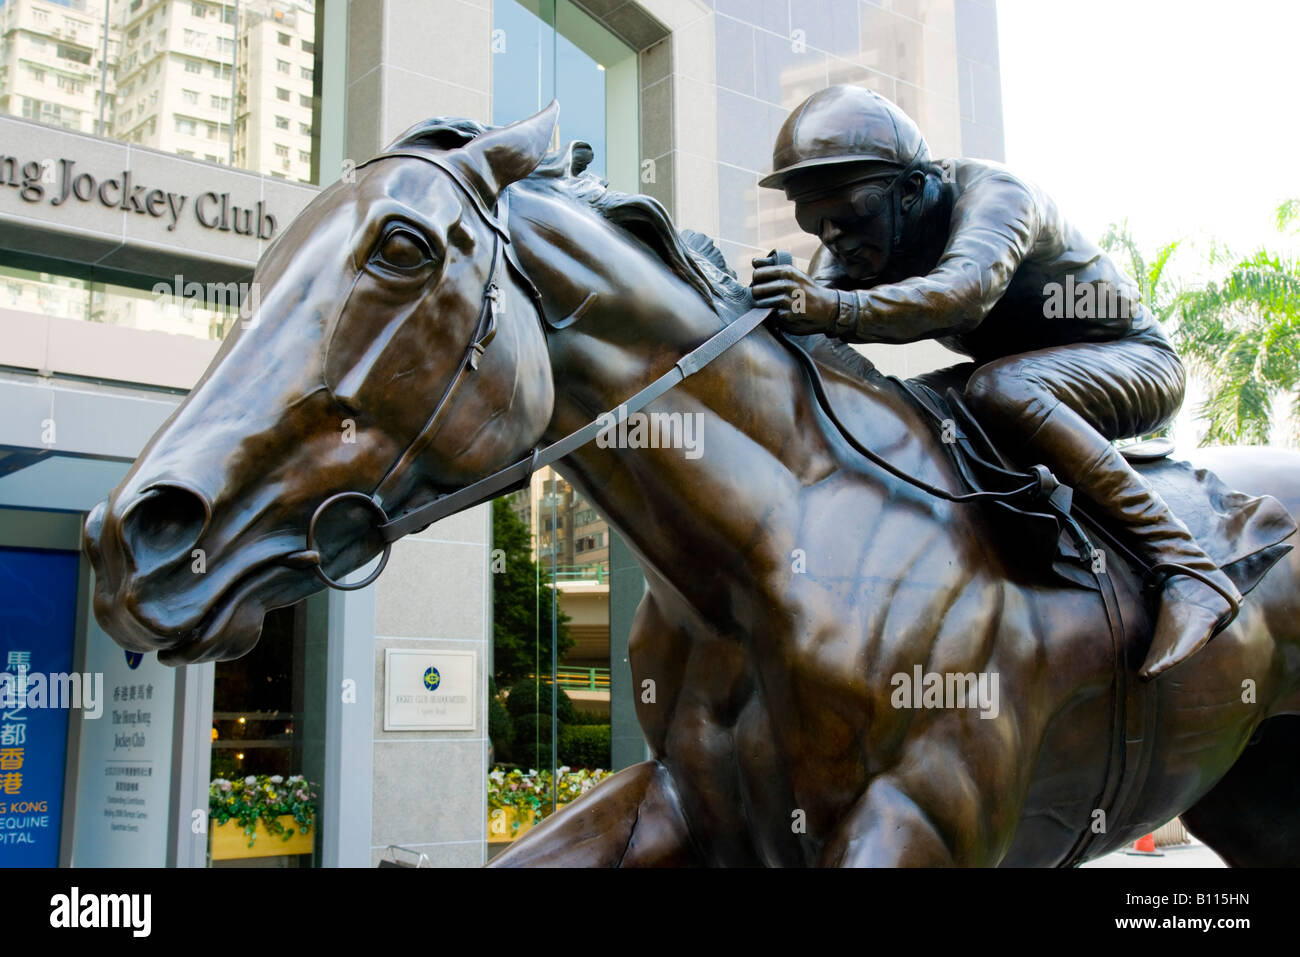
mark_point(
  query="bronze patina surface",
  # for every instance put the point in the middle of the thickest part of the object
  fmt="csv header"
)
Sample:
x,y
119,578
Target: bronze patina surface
x,y
790,581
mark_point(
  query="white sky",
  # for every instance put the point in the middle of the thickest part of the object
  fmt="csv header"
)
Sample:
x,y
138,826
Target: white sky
x,y
1182,115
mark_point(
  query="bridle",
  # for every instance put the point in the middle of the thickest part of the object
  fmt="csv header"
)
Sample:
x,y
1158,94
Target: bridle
x,y
512,477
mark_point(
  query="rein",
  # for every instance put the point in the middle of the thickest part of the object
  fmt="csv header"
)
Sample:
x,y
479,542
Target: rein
x,y
1039,483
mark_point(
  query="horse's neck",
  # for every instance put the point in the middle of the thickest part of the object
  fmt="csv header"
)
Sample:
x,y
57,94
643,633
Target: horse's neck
x,y
761,440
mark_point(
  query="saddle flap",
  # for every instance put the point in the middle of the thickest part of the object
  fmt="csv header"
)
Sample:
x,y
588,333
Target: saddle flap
x,y
1243,534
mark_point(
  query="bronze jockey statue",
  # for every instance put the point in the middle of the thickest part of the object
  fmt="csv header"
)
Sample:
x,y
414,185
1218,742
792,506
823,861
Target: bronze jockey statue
x,y
1066,357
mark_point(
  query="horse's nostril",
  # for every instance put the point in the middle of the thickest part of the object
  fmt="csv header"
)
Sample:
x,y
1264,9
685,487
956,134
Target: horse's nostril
x,y
165,521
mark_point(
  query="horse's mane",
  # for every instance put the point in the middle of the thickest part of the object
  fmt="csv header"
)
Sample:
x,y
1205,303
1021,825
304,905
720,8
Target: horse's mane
x,y
692,256
689,255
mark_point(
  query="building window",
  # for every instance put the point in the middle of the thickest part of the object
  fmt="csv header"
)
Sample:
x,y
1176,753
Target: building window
x,y
193,66
190,96
74,54
282,66
284,39
281,94
282,122
584,67
198,10
307,73
304,156
308,46
304,100
185,125
281,150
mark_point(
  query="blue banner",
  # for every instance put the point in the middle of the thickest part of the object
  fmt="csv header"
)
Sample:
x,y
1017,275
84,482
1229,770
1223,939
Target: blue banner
x,y
38,602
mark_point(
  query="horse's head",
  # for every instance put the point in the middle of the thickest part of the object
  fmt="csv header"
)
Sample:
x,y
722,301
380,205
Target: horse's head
x,y
365,369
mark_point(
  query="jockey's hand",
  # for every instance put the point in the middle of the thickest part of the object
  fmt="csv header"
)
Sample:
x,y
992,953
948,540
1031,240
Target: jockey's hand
x,y
802,306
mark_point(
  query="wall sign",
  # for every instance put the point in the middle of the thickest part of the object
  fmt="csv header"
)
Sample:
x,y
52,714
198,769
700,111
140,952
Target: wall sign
x,y
429,690
125,769
60,183
38,595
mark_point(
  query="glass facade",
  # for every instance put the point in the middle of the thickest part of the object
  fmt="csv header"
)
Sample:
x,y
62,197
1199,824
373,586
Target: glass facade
x,y
550,49
267,732
227,81
550,714
205,312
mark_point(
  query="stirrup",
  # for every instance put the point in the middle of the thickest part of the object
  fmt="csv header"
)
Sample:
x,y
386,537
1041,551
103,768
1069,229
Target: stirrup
x,y
1172,570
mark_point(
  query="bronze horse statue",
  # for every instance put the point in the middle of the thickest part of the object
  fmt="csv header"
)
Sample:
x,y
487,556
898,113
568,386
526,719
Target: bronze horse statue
x,y
789,580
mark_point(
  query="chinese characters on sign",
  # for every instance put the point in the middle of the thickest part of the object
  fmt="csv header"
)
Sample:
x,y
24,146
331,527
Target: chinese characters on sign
x,y
37,615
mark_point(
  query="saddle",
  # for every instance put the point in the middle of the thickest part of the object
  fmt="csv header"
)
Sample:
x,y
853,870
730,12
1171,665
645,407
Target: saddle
x,y
1244,534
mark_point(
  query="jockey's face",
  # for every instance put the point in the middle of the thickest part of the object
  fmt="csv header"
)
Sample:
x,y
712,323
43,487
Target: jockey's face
x,y
854,222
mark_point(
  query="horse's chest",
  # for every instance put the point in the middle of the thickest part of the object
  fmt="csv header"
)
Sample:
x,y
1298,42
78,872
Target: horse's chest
x,y
768,740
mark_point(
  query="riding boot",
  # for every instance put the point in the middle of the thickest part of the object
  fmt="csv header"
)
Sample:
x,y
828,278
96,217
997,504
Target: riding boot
x,y
1191,610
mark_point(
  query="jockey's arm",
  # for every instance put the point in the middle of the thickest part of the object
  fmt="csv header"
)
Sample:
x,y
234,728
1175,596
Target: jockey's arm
x,y
994,225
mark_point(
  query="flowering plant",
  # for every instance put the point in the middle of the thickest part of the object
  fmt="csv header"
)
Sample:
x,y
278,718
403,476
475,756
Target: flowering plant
x,y
529,792
262,797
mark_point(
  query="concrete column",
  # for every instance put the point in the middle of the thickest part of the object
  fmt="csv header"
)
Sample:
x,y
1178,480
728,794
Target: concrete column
x,y
191,763
409,60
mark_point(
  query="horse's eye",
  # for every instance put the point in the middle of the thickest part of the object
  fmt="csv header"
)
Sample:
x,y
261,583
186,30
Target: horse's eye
x,y
403,251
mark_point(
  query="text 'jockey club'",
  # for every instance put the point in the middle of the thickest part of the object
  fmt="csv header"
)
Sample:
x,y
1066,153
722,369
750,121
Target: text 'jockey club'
x,y
212,210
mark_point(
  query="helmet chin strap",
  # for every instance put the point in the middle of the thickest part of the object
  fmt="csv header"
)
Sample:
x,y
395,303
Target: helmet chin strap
x,y
896,211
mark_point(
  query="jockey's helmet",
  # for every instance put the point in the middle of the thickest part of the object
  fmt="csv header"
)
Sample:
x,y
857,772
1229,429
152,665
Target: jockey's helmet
x,y
844,130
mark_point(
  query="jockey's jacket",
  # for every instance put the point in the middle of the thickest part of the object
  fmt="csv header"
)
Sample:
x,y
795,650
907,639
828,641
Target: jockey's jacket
x,y
1014,277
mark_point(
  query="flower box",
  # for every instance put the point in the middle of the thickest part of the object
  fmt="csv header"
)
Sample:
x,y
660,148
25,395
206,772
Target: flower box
x,y
229,842
501,823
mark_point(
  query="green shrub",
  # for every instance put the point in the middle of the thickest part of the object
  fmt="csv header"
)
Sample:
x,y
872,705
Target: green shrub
x,y
585,745
530,745
525,696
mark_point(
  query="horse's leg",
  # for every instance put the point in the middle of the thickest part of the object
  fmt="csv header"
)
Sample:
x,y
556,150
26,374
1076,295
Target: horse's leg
x,y
1252,816
630,820
887,828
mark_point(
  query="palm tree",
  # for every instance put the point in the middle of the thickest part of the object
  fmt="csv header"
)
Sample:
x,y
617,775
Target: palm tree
x,y
1158,290
1242,336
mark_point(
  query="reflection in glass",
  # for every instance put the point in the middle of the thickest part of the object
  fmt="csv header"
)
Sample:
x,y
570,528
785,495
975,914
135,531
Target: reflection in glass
x,y
202,310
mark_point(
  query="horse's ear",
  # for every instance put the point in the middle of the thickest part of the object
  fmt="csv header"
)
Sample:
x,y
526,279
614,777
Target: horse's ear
x,y
507,155
441,133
